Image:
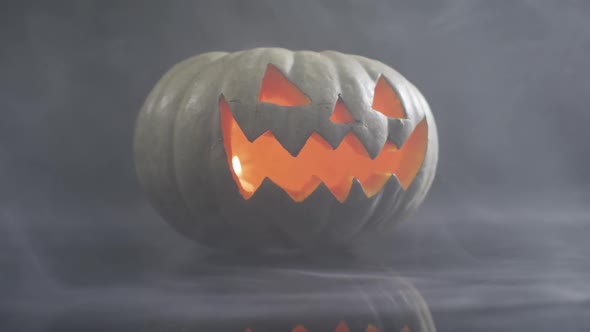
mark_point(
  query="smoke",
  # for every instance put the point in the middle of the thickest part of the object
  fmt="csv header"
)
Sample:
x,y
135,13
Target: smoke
x,y
499,244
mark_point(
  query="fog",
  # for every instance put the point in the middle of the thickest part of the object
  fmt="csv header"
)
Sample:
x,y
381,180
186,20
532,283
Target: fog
x,y
499,244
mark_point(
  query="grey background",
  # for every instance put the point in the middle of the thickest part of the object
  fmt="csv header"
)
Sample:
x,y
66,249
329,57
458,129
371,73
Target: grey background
x,y
501,243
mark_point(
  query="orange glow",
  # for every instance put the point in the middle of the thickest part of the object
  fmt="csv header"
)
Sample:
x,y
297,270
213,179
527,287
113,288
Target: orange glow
x,y
277,89
299,328
387,101
317,161
342,327
341,114
371,328
406,329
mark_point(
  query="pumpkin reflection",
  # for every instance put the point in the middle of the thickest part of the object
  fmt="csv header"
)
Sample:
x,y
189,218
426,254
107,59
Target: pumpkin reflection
x,y
342,327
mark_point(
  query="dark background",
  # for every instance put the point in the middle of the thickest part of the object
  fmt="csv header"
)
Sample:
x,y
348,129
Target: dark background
x,y
500,244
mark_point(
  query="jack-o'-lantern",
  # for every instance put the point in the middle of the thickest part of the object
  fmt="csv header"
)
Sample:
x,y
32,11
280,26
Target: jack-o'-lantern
x,y
274,149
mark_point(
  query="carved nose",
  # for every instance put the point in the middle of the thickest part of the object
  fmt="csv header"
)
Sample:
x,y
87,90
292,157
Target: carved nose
x,y
341,114
277,89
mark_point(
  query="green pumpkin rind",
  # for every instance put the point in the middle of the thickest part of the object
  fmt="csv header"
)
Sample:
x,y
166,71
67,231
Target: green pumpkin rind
x,y
181,162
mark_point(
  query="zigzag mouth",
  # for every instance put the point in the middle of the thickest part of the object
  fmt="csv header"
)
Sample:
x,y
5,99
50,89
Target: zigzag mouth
x,y
317,162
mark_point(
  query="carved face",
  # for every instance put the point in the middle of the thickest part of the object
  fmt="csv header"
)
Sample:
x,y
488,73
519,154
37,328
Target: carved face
x,y
299,170
278,149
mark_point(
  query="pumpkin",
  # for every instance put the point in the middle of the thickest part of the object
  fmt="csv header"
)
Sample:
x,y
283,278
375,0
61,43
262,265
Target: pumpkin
x,y
273,149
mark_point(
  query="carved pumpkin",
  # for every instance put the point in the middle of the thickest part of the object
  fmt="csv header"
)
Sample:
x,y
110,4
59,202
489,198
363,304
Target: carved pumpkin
x,y
274,149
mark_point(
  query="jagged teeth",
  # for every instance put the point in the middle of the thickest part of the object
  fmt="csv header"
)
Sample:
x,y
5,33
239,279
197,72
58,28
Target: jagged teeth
x,y
370,171
400,130
255,120
351,187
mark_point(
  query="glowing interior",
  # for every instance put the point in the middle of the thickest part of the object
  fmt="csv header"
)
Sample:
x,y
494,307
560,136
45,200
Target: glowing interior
x,y
387,101
341,114
372,328
277,89
342,327
265,157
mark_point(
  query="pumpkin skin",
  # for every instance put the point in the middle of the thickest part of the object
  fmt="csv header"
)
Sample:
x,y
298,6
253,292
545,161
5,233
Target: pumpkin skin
x,y
185,166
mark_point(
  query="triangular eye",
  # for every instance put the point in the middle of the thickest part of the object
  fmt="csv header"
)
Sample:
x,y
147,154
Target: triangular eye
x,y
277,89
387,101
341,114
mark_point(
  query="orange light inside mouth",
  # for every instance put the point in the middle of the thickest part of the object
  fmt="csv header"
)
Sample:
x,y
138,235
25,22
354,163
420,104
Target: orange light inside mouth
x,y
342,327
252,162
